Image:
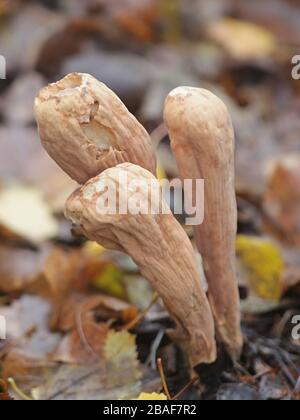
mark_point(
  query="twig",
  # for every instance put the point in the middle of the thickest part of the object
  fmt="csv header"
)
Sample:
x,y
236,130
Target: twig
x,y
18,391
262,374
163,379
154,348
186,388
83,336
139,318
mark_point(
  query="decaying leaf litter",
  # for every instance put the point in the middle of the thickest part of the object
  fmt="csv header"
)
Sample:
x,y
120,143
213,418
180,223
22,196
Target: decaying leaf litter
x,y
69,301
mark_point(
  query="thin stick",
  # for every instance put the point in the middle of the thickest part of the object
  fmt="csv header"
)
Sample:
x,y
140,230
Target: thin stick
x,y
163,379
17,390
186,388
82,335
154,348
139,318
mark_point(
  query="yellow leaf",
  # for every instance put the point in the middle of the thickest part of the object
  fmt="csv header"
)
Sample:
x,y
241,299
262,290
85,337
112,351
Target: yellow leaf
x,y
120,345
153,396
243,40
120,354
110,281
263,263
160,173
92,248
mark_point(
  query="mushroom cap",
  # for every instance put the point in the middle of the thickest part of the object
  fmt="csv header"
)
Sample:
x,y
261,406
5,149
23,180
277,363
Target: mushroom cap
x,y
199,119
86,128
102,203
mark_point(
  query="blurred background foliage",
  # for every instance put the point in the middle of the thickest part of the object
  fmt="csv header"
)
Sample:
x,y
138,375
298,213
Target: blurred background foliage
x,y
241,50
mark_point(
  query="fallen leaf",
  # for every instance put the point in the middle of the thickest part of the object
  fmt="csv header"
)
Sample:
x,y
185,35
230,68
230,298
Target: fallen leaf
x,y
87,320
120,353
110,281
136,18
30,342
281,17
20,268
153,396
85,383
4,395
281,200
84,345
64,270
117,376
92,248
105,308
262,265
243,40
24,212
28,372
24,161
27,326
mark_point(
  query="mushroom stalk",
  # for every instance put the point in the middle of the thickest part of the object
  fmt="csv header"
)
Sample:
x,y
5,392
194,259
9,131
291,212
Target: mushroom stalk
x,y
158,245
86,128
202,139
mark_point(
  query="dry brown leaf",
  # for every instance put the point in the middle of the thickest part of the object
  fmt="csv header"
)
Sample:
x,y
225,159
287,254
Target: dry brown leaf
x,y
106,308
135,18
50,269
84,345
85,342
4,395
116,377
63,270
28,372
27,326
281,200
20,268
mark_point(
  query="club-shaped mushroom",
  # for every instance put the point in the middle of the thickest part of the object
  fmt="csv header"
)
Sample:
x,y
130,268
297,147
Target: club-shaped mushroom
x,y
86,128
155,241
202,139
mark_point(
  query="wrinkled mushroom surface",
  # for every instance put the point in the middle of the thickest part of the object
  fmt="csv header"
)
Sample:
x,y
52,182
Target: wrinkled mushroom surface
x,y
86,128
202,139
158,245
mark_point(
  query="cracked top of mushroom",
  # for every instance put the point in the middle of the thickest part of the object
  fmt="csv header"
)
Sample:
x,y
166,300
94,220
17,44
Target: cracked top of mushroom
x,y
86,128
